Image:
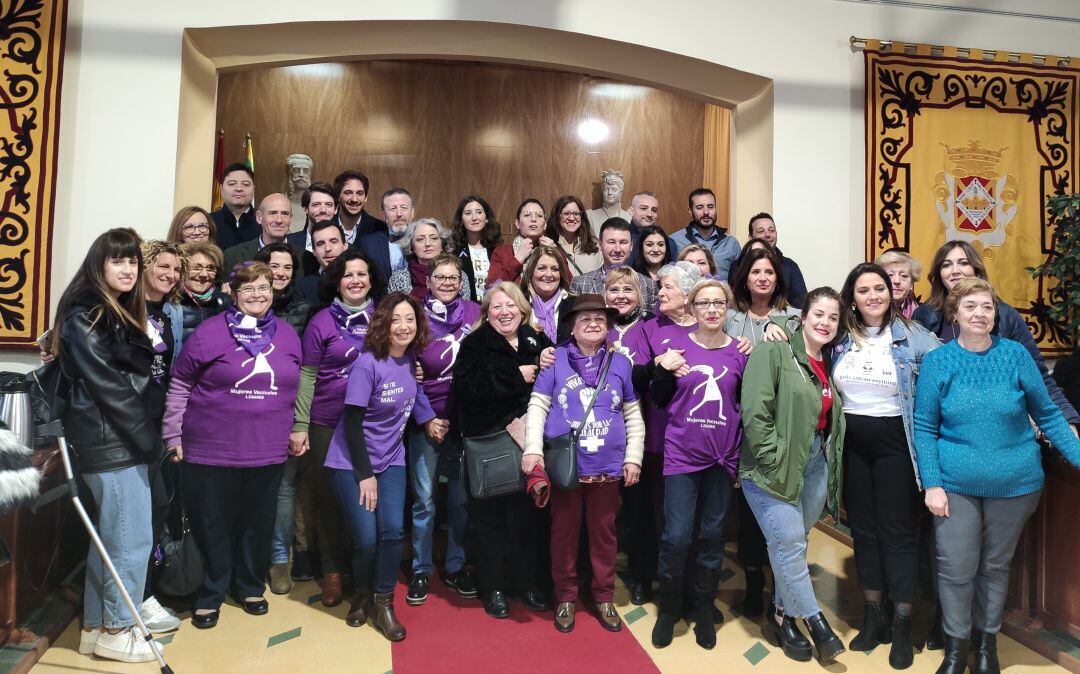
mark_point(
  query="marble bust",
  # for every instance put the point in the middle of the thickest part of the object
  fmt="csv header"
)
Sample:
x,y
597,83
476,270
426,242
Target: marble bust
x,y
611,190
297,179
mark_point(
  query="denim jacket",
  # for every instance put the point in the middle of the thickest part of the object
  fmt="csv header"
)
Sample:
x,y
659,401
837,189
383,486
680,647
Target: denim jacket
x,y
910,342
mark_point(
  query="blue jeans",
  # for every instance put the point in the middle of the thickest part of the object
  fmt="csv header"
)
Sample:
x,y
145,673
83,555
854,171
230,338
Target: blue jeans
x,y
123,522
281,543
377,537
423,464
682,493
786,527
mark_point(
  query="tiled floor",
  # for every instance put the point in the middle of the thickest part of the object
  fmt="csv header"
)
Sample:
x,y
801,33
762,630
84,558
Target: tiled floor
x,y
295,638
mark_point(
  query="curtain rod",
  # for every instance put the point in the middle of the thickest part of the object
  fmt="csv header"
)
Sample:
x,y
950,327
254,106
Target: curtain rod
x,y
860,43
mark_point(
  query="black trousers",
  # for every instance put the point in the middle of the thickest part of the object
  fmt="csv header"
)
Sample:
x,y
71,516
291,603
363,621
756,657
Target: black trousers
x,y
643,512
507,533
231,511
881,498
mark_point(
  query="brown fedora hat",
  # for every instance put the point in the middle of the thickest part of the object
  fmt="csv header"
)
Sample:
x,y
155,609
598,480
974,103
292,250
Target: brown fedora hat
x,y
593,302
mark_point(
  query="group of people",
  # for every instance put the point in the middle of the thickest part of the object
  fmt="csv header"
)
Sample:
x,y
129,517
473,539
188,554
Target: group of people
x,y
312,385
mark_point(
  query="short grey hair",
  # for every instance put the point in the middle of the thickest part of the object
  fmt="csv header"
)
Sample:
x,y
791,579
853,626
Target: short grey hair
x,y
686,274
444,235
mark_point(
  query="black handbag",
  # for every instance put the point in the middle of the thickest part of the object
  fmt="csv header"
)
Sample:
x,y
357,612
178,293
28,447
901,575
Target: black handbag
x,y
560,452
177,559
493,462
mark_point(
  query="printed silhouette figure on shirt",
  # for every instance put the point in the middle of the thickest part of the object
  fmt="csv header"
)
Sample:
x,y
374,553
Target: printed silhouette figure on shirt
x,y
712,389
453,346
262,366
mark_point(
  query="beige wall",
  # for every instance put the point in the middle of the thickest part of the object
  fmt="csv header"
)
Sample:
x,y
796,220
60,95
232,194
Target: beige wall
x,y
122,80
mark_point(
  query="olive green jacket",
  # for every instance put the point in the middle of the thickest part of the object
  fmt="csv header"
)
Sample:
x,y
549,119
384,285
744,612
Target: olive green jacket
x,y
781,403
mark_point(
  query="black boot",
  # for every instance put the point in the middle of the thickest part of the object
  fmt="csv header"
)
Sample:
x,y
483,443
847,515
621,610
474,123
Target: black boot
x,y
986,658
670,596
786,635
956,655
935,640
872,632
753,603
901,655
705,592
826,643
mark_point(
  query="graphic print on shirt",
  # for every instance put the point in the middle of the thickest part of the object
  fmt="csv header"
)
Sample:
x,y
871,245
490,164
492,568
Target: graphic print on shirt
x,y
591,437
261,366
343,373
388,395
453,346
712,389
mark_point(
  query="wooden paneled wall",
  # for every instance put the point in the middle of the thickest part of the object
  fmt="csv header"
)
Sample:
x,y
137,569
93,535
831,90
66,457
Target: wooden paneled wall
x,y
443,130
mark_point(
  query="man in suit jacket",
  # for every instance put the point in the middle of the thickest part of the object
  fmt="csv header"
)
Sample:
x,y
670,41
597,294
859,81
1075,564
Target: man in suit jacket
x,y
351,190
274,216
384,248
319,203
328,241
235,220
762,226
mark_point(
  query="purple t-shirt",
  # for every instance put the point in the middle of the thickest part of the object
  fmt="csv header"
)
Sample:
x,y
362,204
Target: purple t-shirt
x,y
622,339
327,349
646,343
437,361
602,443
704,422
388,390
240,410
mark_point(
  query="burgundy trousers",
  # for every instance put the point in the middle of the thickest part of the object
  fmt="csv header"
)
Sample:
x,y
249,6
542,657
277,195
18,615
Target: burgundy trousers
x,y
600,503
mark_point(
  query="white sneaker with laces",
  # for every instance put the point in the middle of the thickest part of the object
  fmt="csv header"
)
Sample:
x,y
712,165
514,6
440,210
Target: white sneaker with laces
x,y
126,646
158,619
87,641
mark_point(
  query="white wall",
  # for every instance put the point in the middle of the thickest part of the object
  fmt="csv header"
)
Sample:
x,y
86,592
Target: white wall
x,y
122,71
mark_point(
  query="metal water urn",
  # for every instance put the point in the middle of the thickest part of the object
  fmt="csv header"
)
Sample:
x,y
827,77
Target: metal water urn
x,y
16,411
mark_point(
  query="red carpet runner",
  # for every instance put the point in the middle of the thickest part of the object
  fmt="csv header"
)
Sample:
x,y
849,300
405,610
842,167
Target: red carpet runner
x,y
450,634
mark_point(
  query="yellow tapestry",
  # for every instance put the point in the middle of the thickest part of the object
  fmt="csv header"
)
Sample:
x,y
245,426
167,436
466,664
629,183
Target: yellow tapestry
x,y
31,60
971,149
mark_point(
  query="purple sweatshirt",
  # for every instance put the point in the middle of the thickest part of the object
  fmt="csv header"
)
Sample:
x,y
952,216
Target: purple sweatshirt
x,y
704,424
570,383
389,392
326,349
648,342
228,408
437,359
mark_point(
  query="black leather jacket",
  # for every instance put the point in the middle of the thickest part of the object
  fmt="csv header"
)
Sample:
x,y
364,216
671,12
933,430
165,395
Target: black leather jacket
x,y
106,420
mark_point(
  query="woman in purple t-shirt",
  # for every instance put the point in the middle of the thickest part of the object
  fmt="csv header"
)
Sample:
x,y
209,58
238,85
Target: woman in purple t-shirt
x,y
697,382
609,450
367,454
331,343
450,319
227,416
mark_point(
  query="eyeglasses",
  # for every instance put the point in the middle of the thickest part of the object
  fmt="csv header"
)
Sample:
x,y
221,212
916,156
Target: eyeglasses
x,y
440,279
209,268
192,227
248,291
702,305
572,215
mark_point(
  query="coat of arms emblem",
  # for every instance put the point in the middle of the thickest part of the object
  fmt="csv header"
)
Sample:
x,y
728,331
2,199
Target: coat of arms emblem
x,y
976,197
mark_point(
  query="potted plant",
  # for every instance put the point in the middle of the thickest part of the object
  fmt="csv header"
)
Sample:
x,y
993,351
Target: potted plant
x,y
1063,266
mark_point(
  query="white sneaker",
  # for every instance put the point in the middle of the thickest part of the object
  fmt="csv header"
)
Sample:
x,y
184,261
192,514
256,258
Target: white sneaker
x,y
87,641
158,619
126,646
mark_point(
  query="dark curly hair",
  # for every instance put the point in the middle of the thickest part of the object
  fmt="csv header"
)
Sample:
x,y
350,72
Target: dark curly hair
x,y
377,340
332,275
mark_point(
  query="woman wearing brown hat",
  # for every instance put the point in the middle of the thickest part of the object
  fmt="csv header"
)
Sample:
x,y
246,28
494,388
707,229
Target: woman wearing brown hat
x,y
587,390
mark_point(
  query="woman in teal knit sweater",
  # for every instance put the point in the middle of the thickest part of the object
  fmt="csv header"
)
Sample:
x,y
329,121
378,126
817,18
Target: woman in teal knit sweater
x,y
980,466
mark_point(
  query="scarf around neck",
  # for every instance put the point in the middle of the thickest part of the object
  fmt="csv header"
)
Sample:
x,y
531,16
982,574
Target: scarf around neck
x,y
254,334
546,311
418,274
586,366
444,318
352,322
200,298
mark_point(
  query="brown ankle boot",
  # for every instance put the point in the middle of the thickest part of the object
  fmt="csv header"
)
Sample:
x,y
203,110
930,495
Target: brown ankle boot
x,y
331,589
383,618
358,608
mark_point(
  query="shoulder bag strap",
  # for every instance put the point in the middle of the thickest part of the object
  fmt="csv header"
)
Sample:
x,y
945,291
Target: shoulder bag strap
x,y
595,395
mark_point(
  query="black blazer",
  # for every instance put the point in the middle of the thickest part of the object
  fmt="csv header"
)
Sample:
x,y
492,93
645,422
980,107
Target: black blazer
x,y
298,242
488,386
376,246
241,252
107,418
469,271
